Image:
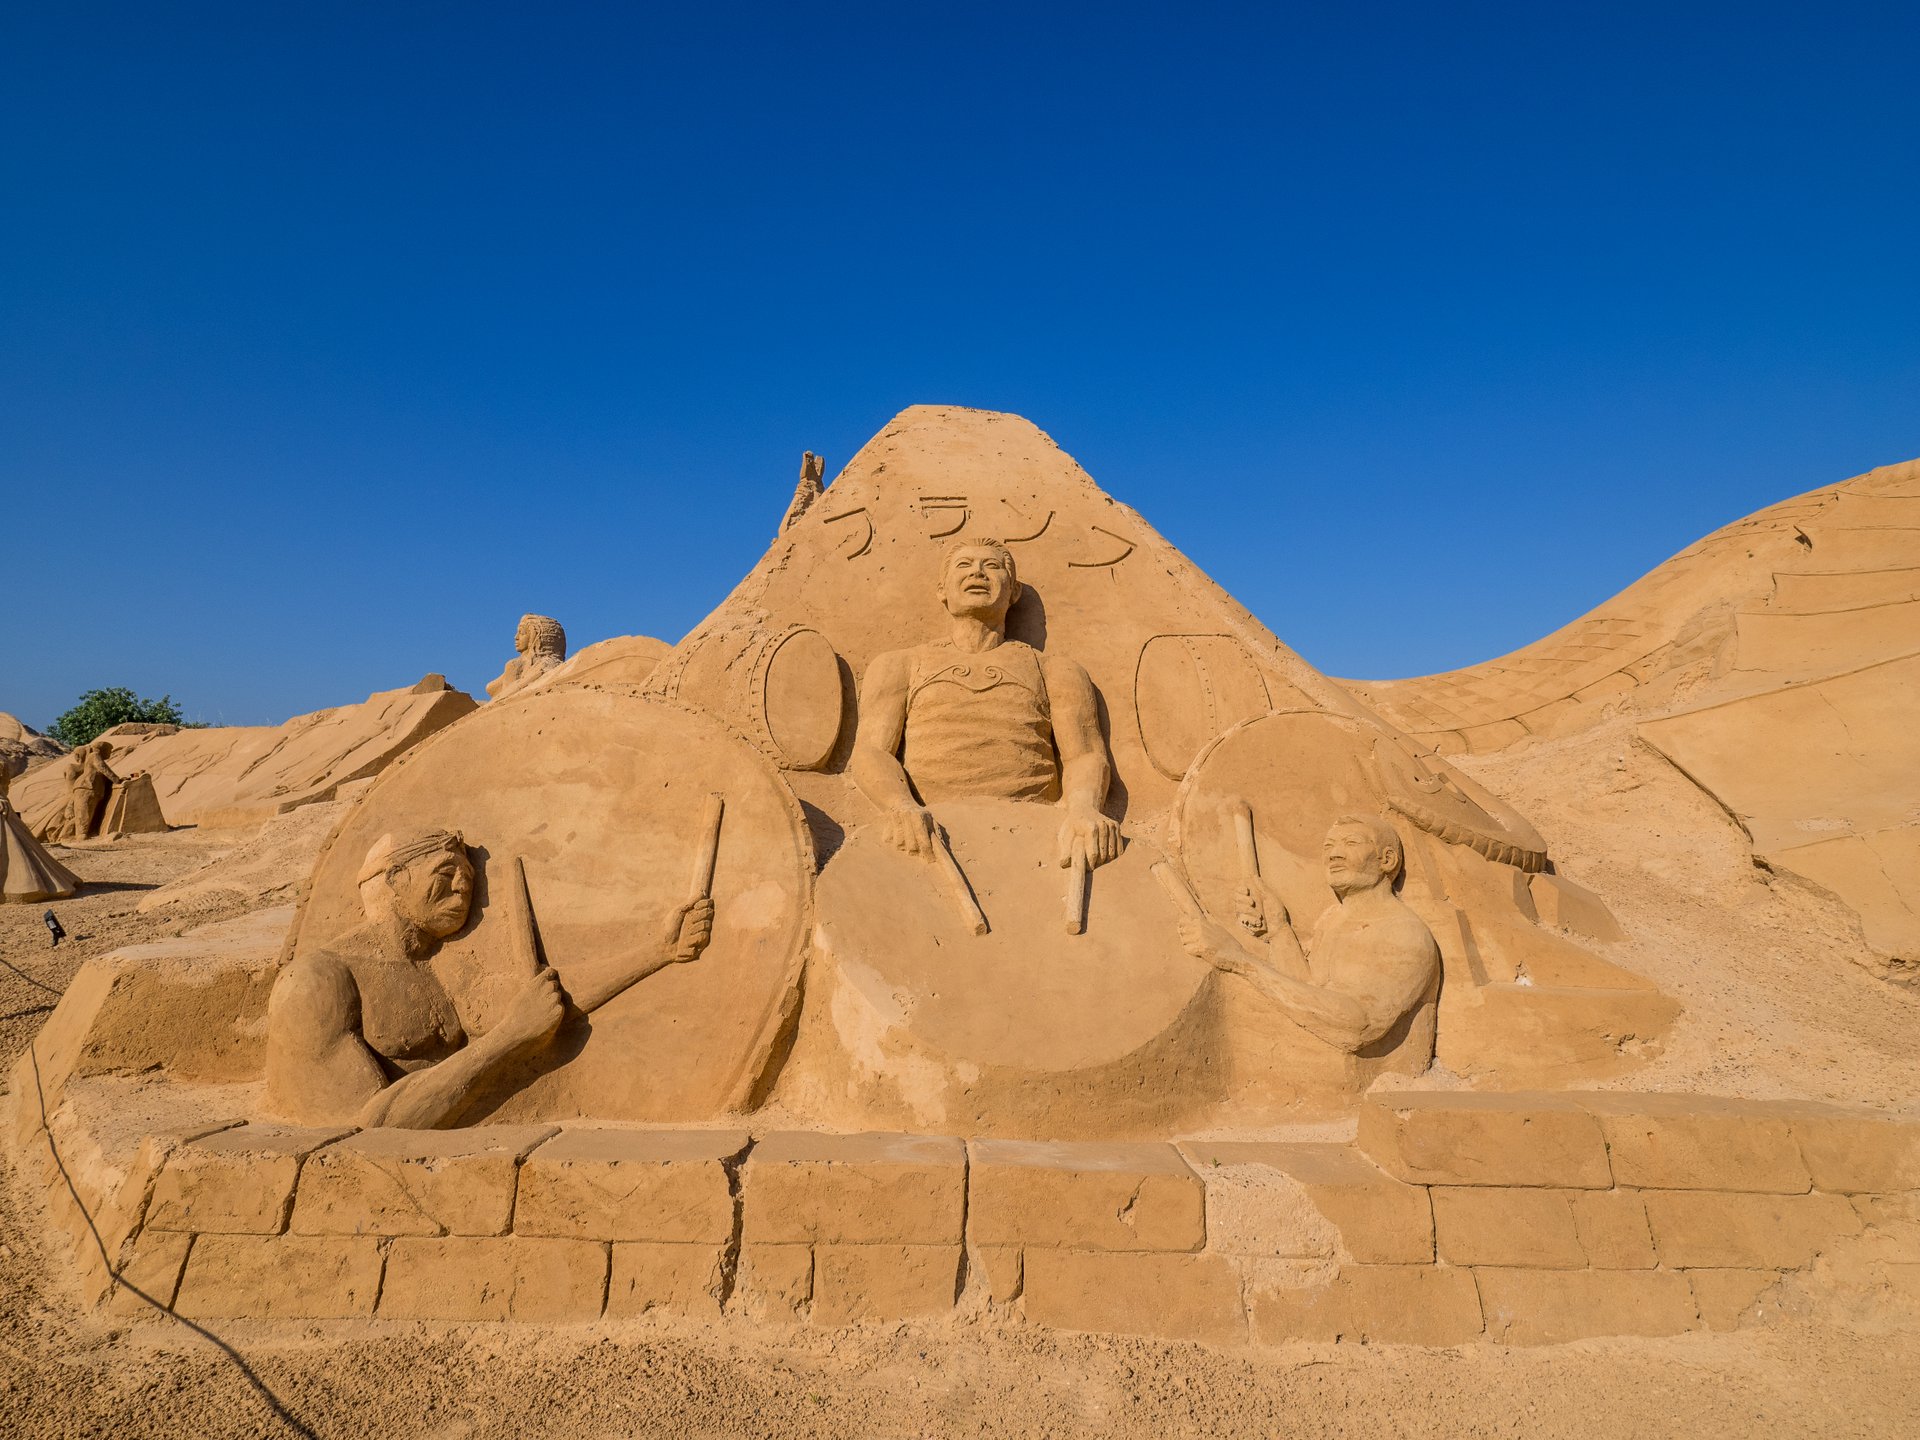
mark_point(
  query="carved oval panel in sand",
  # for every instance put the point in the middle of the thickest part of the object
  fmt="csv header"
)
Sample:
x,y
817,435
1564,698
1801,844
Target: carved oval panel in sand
x,y
797,684
1026,996
1189,688
782,688
602,794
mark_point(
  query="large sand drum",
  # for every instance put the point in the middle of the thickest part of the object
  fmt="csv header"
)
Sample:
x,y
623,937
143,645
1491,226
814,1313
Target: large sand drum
x,y
1025,1030
602,795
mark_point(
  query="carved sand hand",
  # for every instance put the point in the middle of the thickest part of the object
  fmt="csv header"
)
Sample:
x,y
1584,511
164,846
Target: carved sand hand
x,y
911,828
690,929
1259,908
1204,940
536,1012
1096,835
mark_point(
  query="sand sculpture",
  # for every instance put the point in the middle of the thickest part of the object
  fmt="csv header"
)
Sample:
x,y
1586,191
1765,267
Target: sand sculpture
x,y
541,646
27,872
21,745
362,1030
98,801
979,715
1773,664
1373,962
234,775
992,830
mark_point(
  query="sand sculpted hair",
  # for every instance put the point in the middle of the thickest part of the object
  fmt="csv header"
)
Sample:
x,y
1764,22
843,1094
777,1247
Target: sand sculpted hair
x,y
545,632
984,542
1383,835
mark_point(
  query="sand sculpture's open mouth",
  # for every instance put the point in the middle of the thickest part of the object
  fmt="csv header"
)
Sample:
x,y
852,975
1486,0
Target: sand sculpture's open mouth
x,y
851,960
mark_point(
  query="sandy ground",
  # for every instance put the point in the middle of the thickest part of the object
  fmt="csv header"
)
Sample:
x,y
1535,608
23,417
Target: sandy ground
x,y
1775,1006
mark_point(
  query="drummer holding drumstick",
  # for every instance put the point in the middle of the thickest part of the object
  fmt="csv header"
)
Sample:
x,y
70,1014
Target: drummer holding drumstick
x,y
979,715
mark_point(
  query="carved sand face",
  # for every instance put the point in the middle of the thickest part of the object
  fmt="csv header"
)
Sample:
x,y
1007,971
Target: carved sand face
x,y
435,892
978,581
1355,860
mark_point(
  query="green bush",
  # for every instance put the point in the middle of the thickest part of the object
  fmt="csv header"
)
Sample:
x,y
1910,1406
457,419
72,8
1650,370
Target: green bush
x,y
101,710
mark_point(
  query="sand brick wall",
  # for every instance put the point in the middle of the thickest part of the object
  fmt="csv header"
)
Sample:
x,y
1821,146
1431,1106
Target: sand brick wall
x,y
1456,1217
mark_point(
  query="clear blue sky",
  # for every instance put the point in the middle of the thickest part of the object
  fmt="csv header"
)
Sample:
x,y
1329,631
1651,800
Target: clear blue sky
x,y
333,337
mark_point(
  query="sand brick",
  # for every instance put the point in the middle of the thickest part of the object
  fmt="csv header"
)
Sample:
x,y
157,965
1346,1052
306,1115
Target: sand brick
x,y
1858,1153
857,1283
1612,1225
1002,1268
1727,1297
1176,1297
1491,1225
1546,1307
1380,1220
855,1189
414,1182
1392,1304
1733,1231
1893,1226
273,1277
1464,1138
660,1185
237,1182
775,1280
152,1269
466,1277
1087,1196
1699,1142
649,1275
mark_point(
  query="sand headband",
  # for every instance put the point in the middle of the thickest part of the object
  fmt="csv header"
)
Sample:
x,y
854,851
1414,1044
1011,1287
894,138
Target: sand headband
x,y
385,857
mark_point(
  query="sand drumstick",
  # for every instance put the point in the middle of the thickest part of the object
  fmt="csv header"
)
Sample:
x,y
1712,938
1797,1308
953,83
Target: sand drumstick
x,y
1178,891
956,878
1243,832
709,847
526,941
1077,873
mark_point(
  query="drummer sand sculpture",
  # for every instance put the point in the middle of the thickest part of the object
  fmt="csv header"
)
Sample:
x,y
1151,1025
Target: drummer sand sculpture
x,y
978,909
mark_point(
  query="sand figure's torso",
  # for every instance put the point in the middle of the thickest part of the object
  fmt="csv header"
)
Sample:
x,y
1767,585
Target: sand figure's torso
x,y
406,1015
1366,953
979,725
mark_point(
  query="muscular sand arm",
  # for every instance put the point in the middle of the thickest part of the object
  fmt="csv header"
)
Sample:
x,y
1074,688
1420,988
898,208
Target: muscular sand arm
x,y
688,929
1229,948
883,722
434,1098
318,1070
1350,1017
1084,772
875,764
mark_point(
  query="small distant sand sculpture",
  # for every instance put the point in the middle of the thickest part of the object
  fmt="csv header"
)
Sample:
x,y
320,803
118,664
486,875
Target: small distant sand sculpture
x,y
542,646
27,872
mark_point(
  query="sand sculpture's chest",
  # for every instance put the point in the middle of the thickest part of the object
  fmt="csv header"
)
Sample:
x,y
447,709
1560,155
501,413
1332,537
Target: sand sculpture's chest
x,y
405,1014
979,725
